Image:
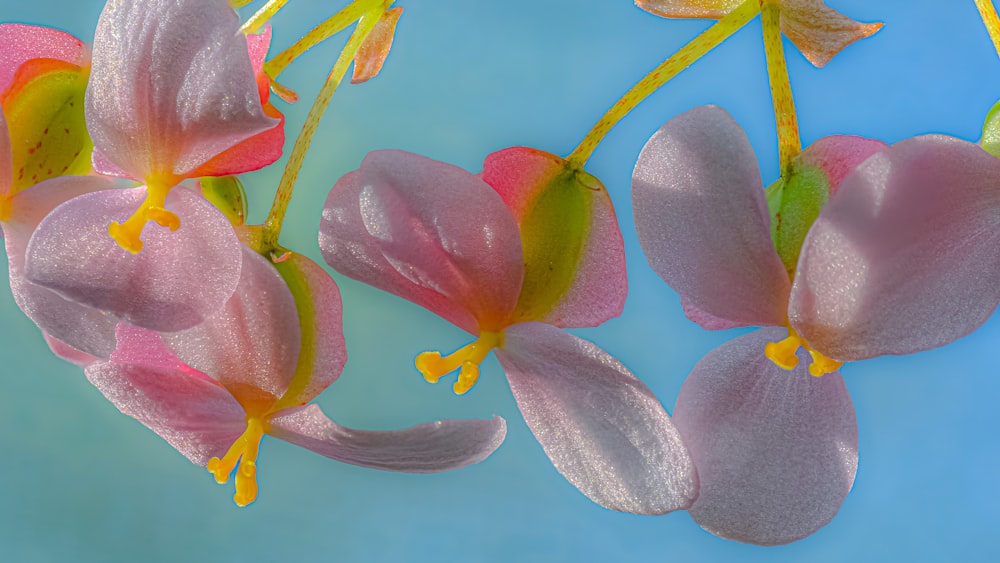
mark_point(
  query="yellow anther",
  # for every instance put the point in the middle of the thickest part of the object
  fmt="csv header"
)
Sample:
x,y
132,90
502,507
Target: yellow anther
x,y
244,453
783,354
152,209
466,359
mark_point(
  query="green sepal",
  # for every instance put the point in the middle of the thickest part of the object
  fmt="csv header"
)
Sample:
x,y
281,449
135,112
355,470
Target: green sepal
x,y
991,131
794,202
226,193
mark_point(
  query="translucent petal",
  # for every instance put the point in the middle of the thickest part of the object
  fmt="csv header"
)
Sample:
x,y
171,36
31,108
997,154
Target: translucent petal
x,y
601,427
819,31
20,43
776,451
373,52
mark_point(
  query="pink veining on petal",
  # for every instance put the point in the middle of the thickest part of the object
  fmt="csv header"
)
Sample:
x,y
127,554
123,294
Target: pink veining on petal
x,y
776,451
702,219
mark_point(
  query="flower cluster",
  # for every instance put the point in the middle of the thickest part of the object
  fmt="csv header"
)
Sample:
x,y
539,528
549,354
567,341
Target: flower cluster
x,y
125,229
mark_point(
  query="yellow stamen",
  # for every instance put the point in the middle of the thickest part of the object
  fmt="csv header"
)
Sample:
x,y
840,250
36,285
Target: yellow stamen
x,y
152,209
244,453
466,359
783,355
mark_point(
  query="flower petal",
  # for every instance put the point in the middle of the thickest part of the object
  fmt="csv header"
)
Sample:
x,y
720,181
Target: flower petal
x,y
20,43
601,427
425,448
171,86
253,341
776,451
819,31
87,329
373,52
904,257
574,256
714,9
196,415
429,232
702,219
178,280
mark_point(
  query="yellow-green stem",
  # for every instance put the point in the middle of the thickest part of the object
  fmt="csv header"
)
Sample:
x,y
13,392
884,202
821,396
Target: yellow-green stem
x,y
789,144
683,58
333,25
265,13
992,22
237,4
272,226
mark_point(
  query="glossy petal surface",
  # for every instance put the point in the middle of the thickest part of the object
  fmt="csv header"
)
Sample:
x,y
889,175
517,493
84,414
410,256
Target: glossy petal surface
x,y
172,86
601,427
776,451
425,448
177,281
904,257
20,43
186,408
702,219
572,247
429,232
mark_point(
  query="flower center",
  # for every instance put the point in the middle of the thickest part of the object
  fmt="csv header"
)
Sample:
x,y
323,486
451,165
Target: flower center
x,y
783,355
152,209
466,359
243,453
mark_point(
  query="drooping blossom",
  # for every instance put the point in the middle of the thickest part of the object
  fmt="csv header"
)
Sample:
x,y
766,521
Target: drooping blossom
x,y
173,95
819,31
872,251
513,256
215,390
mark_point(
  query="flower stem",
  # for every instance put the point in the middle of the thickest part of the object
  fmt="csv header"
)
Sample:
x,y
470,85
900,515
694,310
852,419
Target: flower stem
x,y
789,144
992,22
272,226
265,13
683,58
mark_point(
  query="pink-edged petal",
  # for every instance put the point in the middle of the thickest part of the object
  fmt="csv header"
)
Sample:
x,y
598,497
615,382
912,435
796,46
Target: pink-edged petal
x,y
322,354
253,341
70,354
179,279
429,232
171,86
904,258
425,448
702,219
819,31
186,408
838,155
84,328
574,256
373,52
603,429
776,451
20,43
713,9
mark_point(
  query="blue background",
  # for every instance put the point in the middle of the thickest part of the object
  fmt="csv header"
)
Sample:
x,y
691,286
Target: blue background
x,y
81,482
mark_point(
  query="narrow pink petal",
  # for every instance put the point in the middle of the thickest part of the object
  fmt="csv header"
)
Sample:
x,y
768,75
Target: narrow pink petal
x,y
253,341
70,354
429,232
560,209
601,427
714,9
702,219
191,412
425,448
171,86
776,451
20,43
904,258
84,328
323,353
819,31
179,279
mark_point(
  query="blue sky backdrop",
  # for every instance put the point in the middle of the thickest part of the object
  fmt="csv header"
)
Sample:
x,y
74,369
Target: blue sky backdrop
x,y
81,482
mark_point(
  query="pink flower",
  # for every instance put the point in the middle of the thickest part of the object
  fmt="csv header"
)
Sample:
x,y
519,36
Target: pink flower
x,y
173,95
901,258
213,391
530,246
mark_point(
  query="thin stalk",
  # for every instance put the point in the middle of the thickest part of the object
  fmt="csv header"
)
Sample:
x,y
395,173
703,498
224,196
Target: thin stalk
x,y
265,13
683,58
992,22
272,226
789,143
